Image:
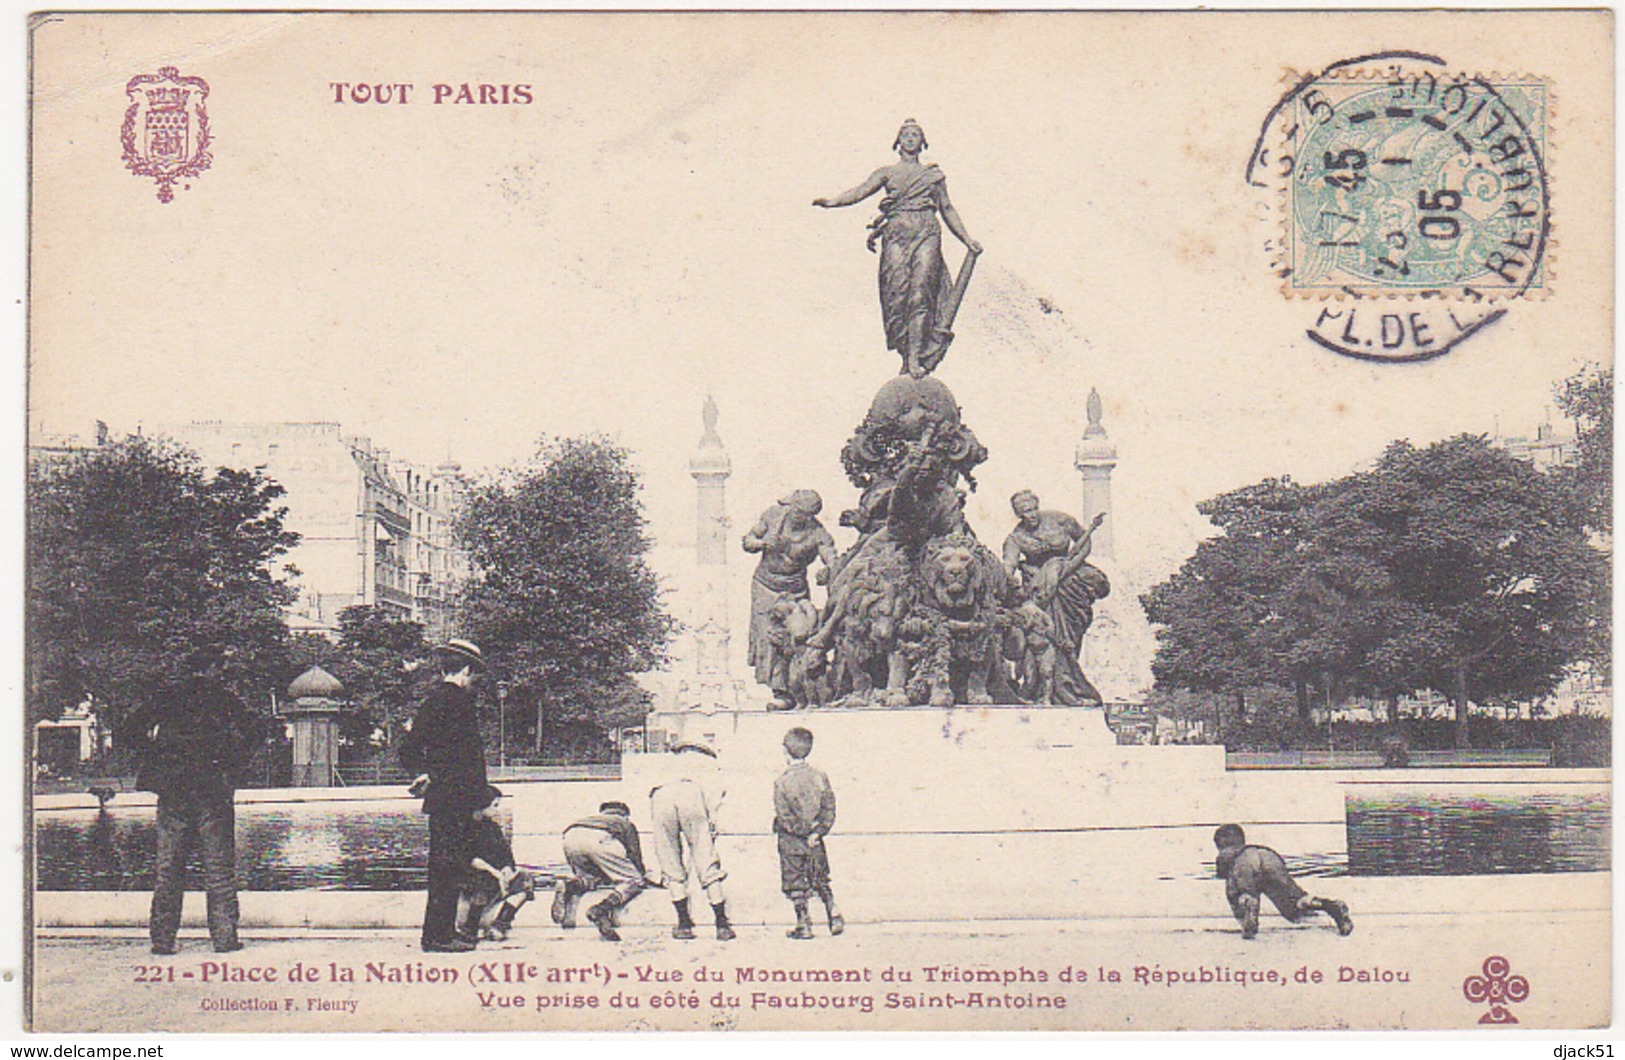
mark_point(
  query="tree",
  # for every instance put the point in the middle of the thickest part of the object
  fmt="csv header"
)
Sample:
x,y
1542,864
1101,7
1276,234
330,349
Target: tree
x,y
1224,615
1493,582
382,663
1588,399
1455,567
562,601
142,565
304,651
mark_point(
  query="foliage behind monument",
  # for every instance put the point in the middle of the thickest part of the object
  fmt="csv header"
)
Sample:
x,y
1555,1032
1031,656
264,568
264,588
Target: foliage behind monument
x,y
563,601
1588,399
1454,568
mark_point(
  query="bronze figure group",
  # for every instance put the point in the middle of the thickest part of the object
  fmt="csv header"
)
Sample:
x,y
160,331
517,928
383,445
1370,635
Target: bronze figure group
x,y
918,610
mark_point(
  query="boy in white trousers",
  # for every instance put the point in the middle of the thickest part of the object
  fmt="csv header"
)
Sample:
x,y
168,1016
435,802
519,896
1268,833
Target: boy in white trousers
x,y
685,821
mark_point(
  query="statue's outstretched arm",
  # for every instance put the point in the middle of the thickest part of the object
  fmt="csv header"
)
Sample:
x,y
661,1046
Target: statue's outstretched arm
x,y
876,181
1081,548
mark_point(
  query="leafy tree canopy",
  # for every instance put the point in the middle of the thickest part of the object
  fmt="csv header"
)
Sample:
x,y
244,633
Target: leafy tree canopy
x,y
142,566
1453,567
1492,579
563,602
1588,400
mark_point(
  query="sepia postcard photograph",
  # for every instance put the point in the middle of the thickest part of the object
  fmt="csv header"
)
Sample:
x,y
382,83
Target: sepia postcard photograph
x,y
819,522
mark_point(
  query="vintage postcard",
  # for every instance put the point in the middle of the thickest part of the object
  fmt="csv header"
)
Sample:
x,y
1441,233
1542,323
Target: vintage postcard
x,y
820,521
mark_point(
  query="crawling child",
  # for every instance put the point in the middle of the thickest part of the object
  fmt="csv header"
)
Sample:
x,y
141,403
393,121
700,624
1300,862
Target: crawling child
x,y
1249,871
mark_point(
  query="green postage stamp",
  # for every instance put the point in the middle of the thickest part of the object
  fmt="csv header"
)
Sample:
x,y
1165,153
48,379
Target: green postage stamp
x,y
1423,183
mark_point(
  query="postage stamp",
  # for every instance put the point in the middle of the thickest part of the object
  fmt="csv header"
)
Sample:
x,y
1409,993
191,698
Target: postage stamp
x,y
1419,185
1409,203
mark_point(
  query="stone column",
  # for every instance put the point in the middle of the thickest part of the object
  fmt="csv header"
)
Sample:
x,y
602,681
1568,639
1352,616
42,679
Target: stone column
x,y
713,686
1095,459
1118,648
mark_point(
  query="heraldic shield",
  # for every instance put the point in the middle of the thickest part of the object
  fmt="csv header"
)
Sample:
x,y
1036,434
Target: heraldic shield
x,y
166,128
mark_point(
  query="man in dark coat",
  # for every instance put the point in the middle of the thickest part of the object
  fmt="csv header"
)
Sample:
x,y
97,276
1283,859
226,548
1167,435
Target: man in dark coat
x,y
444,750
193,741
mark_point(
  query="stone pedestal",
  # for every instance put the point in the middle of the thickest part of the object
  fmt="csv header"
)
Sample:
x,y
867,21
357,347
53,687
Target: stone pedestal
x,y
978,768
1118,649
964,813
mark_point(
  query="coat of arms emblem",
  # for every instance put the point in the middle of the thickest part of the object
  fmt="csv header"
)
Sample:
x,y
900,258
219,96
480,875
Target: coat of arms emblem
x,y
166,128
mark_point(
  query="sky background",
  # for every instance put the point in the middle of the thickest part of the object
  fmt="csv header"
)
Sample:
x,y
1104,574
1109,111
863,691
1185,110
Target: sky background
x,y
462,279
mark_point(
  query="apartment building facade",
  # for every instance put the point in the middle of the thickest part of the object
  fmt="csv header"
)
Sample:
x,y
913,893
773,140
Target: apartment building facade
x,y
374,530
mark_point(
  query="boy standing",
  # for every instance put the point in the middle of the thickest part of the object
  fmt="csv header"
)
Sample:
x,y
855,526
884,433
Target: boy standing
x,y
685,818
803,814
1249,871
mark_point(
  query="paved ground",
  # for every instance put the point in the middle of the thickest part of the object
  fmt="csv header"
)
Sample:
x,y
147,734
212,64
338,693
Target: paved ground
x,y
1396,970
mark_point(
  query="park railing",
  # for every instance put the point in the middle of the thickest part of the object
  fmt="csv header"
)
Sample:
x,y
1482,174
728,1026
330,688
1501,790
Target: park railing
x,y
389,773
371,774
586,771
1533,757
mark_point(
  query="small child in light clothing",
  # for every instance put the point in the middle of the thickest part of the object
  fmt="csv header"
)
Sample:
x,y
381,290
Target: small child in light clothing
x,y
1249,871
803,814
496,887
685,807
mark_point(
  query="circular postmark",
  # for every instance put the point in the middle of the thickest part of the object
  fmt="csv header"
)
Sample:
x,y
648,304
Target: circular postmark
x,y
1413,202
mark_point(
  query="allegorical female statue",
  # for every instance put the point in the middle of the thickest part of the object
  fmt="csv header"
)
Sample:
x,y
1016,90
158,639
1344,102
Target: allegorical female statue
x,y
789,537
916,292
1048,553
